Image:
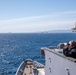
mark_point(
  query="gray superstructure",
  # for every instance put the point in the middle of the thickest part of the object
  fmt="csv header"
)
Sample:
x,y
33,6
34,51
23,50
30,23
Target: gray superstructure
x,y
74,29
57,63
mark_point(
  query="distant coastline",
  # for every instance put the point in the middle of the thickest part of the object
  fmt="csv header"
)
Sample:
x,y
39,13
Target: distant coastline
x,y
59,31
45,32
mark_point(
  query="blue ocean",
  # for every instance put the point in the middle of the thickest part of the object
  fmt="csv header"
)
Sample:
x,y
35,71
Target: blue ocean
x,y
16,47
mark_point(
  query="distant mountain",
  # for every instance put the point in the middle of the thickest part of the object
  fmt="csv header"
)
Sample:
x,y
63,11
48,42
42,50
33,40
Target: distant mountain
x,y
58,31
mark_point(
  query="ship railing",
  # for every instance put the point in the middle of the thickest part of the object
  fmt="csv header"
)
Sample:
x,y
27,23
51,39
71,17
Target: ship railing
x,y
21,68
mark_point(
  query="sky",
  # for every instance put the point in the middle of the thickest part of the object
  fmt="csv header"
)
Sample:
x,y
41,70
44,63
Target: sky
x,y
24,16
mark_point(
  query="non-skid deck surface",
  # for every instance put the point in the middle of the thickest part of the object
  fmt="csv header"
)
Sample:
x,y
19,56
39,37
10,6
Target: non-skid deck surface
x,y
28,70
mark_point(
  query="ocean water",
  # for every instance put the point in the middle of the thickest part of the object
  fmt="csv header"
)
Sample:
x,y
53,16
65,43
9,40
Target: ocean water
x,y
14,48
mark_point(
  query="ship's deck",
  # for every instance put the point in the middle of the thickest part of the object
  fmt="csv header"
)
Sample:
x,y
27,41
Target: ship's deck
x,y
30,67
28,70
33,68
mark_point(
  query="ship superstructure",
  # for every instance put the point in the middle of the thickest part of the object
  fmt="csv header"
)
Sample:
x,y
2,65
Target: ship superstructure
x,y
57,63
74,29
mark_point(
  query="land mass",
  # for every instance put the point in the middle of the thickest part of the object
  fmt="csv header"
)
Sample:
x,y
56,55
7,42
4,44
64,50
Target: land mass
x,y
59,31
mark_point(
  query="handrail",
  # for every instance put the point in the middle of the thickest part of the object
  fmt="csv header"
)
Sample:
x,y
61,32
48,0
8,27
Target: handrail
x,y
21,68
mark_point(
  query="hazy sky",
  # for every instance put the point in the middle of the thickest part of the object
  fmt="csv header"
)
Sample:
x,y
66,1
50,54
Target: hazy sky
x,y
36,15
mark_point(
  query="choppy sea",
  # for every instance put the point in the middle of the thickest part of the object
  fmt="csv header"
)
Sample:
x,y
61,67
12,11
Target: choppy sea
x,y
16,47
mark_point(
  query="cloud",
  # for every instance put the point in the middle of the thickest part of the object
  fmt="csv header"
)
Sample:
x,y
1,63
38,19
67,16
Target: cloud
x,y
59,20
65,12
52,15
